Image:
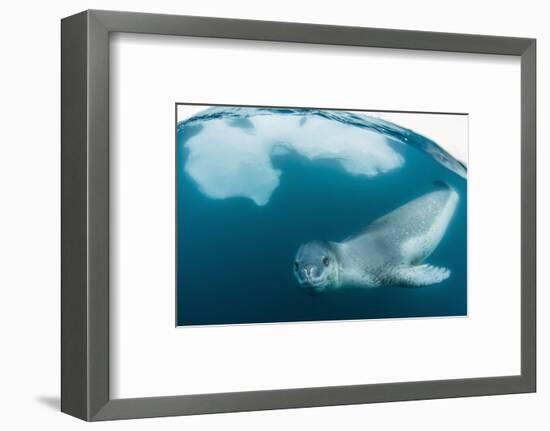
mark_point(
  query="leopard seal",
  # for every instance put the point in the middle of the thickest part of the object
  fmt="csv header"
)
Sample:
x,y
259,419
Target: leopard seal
x,y
388,252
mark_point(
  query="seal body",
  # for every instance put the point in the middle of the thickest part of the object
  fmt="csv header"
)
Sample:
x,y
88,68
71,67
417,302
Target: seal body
x,y
389,252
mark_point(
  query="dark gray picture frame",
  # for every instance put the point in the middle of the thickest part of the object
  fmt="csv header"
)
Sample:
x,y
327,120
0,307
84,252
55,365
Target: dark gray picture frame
x,y
85,215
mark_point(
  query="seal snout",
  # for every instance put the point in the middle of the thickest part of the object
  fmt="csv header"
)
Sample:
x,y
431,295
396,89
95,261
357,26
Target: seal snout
x,y
308,273
309,280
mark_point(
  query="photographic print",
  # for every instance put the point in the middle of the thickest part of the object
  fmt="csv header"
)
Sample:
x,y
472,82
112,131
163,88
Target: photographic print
x,y
307,214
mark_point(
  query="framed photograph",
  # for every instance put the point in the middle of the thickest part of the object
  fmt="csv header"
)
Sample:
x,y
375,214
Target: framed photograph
x,y
279,202
263,215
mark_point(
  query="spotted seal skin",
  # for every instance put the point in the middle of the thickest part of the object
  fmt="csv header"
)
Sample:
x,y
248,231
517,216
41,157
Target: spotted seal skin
x,y
389,252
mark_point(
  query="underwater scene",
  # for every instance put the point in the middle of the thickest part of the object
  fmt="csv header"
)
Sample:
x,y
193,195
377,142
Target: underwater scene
x,y
300,214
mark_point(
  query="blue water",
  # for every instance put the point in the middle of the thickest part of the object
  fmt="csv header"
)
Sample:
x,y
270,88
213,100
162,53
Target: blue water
x,y
235,253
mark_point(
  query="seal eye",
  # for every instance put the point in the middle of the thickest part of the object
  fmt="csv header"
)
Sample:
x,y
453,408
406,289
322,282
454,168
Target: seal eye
x,y
296,266
326,261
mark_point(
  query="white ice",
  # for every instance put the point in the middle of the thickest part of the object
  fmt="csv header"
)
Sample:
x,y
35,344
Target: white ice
x,y
228,161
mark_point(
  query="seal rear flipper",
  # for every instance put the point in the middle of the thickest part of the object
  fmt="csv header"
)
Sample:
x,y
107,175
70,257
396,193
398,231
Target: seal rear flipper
x,y
418,275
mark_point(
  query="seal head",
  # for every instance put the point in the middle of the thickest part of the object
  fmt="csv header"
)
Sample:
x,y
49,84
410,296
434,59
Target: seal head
x,y
316,266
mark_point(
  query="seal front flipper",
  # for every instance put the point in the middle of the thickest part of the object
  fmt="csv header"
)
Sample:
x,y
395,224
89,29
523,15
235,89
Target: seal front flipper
x,y
417,275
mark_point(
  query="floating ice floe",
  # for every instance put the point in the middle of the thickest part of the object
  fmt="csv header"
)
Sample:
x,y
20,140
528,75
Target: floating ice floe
x,y
230,149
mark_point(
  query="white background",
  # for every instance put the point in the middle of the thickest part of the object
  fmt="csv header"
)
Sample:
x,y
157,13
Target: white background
x,y
29,228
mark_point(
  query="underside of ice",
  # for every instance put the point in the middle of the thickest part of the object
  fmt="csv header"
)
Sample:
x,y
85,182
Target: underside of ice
x,y
230,153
